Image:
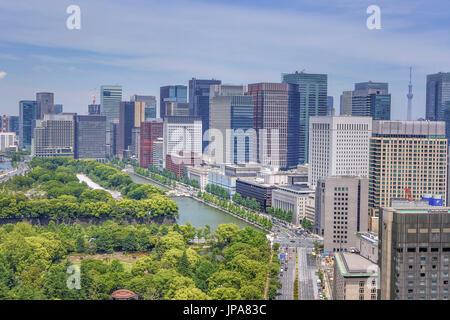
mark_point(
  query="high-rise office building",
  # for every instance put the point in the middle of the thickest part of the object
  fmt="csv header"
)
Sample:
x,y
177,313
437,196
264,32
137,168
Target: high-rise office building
x,y
147,104
150,131
182,135
338,145
176,109
54,136
58,108
231,113
406,154
45,102
10,124
175,93
313,90
199,93
372,99
341,211
113,147
126,124
346,103
28,113
276,114
414,253
438,94
94,109
110,98
90,137
330,106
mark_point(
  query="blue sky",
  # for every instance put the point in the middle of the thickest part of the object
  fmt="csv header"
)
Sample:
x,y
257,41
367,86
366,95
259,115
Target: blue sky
x,y
143,45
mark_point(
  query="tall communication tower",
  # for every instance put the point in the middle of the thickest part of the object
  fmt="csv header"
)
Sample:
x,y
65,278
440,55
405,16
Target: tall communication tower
x,y
410,95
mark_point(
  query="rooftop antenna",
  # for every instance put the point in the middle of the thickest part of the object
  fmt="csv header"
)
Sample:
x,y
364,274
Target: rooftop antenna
x,y
410,96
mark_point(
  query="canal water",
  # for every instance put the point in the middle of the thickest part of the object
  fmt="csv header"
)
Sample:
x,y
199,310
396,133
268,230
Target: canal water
x,y
197,213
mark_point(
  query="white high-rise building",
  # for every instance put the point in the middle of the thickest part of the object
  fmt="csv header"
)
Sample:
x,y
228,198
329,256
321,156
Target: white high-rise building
x,y
339,145
182,134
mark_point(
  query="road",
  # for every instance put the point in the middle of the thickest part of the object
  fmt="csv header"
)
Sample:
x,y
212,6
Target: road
x,y
22,168
307,275
303,245
287,277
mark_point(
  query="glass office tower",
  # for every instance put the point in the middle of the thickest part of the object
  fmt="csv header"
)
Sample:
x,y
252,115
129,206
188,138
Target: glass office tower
x,y
28,113
313,90
199,101
176,93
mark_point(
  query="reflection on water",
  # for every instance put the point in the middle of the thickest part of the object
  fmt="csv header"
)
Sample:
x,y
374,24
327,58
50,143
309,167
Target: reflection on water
x,y
197,213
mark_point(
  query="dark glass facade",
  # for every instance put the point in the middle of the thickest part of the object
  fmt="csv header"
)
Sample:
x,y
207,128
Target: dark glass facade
x,y
199,101
313,102
276,107
176,93
28,113
126,124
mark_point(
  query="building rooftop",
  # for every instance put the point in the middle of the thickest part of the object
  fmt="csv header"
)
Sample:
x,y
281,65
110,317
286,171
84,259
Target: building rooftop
x,y
368,236
300,188
354,265
429,209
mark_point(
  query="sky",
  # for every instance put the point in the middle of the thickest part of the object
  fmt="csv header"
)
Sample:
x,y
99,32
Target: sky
x,y
145,44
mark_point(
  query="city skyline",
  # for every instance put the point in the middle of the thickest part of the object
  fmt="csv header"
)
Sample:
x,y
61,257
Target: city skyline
x,y
41,50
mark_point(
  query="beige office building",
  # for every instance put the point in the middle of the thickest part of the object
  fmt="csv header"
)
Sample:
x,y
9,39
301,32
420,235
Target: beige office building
x,y
406,154
341,211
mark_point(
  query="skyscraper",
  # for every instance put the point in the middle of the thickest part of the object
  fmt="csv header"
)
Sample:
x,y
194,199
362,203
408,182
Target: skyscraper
x,y
94,109
346,103
438,93
174,93
313,102
199,101
28,113
148,105
372,99
275,109
150,131
182,135
45,102
58,108
330,106
90,136
406,154
126,124
54,136
110,98
231,113
338,145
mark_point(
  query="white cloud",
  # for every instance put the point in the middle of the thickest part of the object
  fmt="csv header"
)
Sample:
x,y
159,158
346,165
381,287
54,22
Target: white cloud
x,y
2,74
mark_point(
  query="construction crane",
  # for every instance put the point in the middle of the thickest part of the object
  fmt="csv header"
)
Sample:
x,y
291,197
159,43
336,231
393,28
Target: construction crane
x,y
408,192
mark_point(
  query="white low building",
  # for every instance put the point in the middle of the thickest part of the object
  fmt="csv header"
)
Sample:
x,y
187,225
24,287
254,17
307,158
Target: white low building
x,y
8,141
292,198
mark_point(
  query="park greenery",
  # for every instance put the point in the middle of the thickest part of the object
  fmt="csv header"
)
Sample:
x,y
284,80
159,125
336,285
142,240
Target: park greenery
x,y
51,190
232,263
